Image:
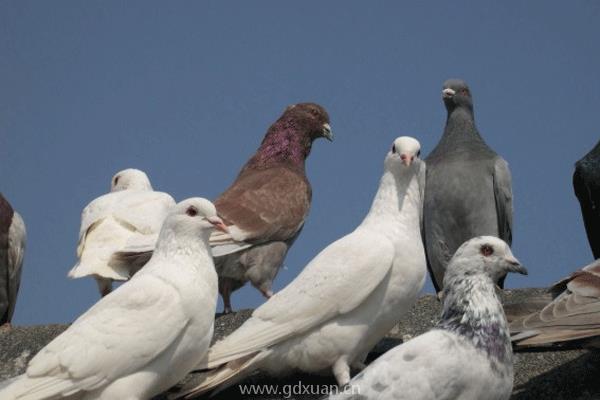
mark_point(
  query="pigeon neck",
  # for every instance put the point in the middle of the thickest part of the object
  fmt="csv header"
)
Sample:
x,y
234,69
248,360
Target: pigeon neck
x,y
397,203
284,143
188,245
472,310
460,125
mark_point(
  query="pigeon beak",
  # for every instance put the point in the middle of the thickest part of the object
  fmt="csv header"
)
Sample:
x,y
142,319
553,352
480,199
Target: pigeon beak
x,y
515,265
406,160
327,134
448,93
218,223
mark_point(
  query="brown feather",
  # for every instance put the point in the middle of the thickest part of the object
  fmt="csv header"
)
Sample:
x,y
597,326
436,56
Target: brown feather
x,y
269,205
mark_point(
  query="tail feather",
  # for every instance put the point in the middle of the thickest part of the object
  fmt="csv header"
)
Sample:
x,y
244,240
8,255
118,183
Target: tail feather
x,y
226,375
24,388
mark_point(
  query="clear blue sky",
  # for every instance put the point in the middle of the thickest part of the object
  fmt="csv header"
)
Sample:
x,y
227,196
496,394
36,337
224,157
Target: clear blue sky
x,y
185,91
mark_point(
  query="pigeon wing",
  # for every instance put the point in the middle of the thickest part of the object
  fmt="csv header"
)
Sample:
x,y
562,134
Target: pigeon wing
x,y
121,334
262,206
503,198
336,281
432,365
573,314
17,238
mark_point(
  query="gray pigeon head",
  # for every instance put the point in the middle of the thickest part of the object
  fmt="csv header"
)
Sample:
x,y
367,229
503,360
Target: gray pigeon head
x,y
456,93
130,179
482,255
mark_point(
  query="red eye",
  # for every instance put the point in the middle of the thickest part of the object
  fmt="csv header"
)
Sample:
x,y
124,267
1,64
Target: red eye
x,y
192,211
487,250
465,92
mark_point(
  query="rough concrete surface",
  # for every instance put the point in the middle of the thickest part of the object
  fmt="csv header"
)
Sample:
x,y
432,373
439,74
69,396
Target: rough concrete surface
x,y
568,373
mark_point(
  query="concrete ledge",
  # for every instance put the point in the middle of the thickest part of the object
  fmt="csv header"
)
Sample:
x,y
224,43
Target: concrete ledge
x,y
565,374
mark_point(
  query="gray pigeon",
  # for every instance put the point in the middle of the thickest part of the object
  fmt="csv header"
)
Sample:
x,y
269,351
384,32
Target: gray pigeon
x,y
468,354
468,190
12,249
586,182
572,315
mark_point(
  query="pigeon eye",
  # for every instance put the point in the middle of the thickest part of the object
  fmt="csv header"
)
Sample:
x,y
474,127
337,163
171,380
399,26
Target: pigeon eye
x,y
116,180
419,153
393,149
487,250
465,92
191,211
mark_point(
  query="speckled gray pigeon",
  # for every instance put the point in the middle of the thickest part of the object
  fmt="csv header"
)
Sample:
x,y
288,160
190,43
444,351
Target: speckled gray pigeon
x,y
468,354
468,189
12,250
586,182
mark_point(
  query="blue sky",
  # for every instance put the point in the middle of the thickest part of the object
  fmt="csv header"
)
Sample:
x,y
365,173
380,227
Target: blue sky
x,y
185,91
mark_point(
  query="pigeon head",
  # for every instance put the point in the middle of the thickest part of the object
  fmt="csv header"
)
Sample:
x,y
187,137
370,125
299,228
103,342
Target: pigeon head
x,y
486,256
404,152
195,214
289,139
311,118
456,94
130,179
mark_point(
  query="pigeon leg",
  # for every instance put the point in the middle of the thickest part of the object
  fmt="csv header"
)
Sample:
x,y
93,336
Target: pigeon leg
x,y
341,371
262,264
225,290
6,326
104,285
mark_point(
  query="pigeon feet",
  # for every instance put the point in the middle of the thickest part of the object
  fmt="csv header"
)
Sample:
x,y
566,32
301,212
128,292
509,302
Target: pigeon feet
x,y
341,371
6,326
227,310
104,285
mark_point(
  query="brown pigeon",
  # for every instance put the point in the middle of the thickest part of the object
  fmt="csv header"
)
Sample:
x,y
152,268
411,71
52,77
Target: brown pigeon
x,y
573,314
12,248
267,204
265,207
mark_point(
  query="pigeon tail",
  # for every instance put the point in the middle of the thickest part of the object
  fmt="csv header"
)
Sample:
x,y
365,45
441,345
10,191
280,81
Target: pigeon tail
x,y
226,375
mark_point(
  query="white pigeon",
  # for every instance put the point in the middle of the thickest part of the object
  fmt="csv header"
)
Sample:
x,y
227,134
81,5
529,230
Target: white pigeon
x,y
131,213
145,336
346,299
468,355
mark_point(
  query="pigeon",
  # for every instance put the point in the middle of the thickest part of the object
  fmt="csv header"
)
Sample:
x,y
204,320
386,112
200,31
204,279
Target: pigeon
x,y
346,299
468,186
586,182
266,206
12,249
131,213
572,315
467,355
145,336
